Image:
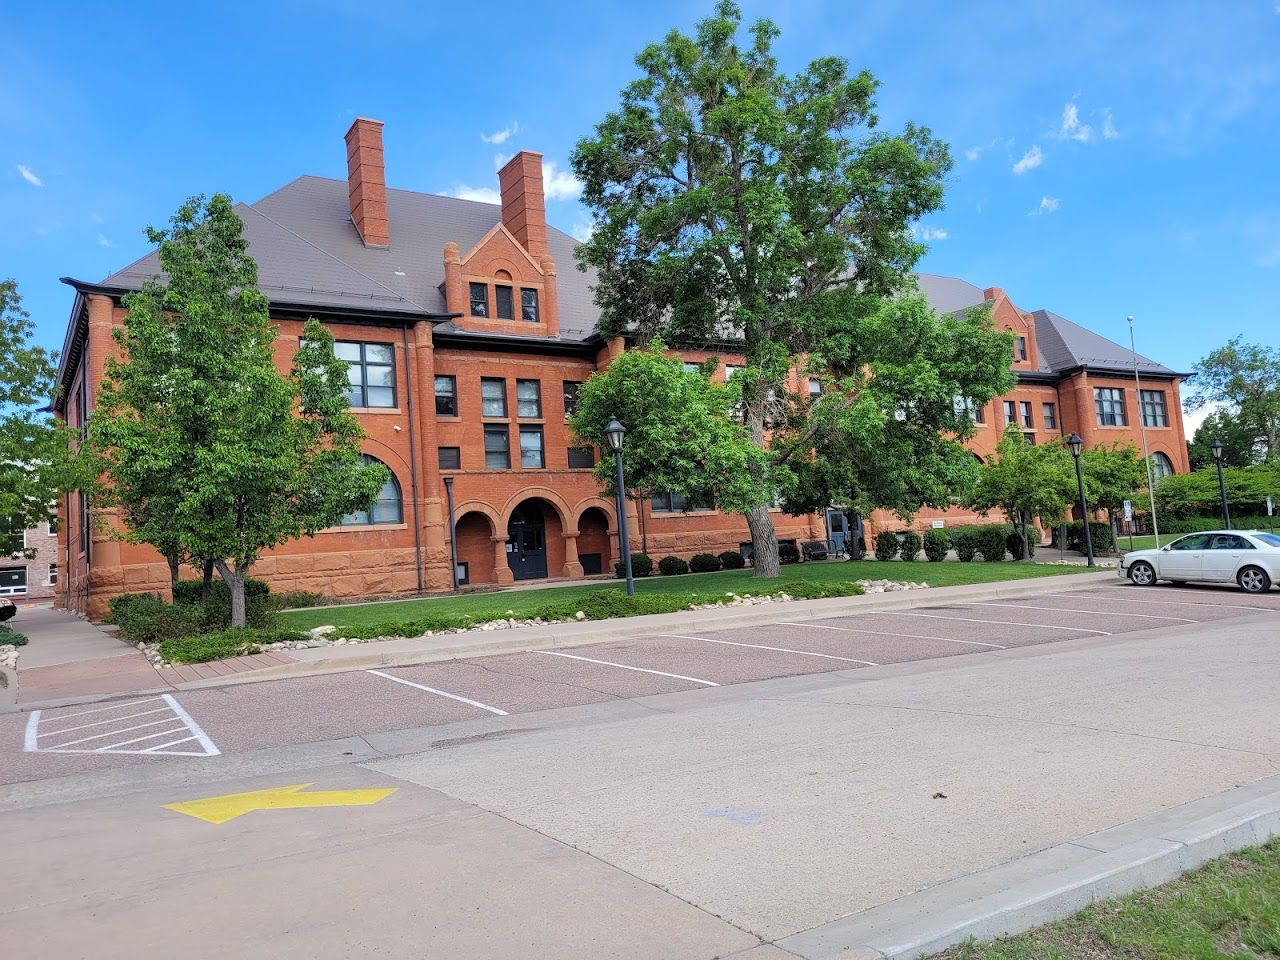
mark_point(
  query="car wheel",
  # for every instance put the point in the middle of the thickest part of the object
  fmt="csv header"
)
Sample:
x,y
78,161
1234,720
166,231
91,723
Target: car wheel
x,y
1142,573
1253,580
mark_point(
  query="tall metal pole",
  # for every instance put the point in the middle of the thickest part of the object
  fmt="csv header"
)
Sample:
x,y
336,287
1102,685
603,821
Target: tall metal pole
x,y
1222,493
1084,512
1142,429
453,535
624,536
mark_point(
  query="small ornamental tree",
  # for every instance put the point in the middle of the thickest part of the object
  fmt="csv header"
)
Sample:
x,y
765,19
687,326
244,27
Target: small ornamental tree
x,y
1112,475
1024,481
34,462
205,447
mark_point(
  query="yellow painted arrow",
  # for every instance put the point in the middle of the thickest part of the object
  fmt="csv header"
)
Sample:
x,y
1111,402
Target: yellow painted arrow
x,y
232,805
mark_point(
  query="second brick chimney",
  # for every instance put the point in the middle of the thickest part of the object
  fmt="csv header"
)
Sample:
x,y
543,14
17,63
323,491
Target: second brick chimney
x,y
524,211
367,182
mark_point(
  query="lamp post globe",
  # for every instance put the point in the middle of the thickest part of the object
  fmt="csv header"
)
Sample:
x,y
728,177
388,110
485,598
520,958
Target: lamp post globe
x,y
1077,445
615,433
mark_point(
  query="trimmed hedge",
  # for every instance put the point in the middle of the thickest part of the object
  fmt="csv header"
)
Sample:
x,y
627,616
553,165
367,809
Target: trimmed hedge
x,y
788,553
1014,542
936,545
966,545
733,560
990,542
910,547
145,618
641,566
705,563
1103,539
886,545
224,643
672,566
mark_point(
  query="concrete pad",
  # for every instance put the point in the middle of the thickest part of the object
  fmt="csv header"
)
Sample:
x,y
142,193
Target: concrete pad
x,y
55,637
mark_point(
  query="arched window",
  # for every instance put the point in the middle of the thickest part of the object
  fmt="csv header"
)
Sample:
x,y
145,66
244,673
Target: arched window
x,y
388,508
1161,467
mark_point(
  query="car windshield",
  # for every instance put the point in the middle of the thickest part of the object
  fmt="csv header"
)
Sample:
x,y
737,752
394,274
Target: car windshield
x,y
1268,538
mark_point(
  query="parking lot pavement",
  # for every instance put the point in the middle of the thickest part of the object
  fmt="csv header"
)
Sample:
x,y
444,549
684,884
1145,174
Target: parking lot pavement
x,y
244,717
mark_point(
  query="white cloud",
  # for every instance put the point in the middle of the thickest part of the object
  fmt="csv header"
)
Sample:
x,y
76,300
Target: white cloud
x,y
1109,131
559,184
1030,160
96,217
929,233
501,136
29,176
1269,260
583,230
1072,128
104,242
481,194
1047,206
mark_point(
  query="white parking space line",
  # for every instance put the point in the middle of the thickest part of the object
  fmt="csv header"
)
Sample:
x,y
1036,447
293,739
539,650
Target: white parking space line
x,y
439,693
1096,613
1007,623
761,646
886,633
624,666
44,736
1164,603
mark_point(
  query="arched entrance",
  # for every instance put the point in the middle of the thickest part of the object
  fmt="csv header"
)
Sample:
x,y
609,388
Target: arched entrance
x,y
593,541
475,549
527,541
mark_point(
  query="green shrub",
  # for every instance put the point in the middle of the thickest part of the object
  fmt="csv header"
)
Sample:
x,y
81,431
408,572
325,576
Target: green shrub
x,y
966,545
148,619
119,606
215,612
733,560
10,637
1181,525
296,599
910,546
704,563
672,566
990,543
886,545
641,566
807,590
936,545
788,553
1013,540
1100,532
223,644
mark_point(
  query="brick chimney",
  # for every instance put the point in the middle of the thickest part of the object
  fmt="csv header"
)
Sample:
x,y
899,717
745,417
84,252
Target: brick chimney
x,y
367,182
524,212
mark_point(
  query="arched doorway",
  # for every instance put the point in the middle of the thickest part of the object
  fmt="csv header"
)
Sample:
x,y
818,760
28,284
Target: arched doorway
x,y
527,541
593,541
475,549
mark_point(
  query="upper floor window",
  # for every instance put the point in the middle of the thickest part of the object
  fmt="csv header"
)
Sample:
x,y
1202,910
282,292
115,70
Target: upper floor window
x,y
1161,467
450,458
446,396
479,299
966,408
1027,420
529,399
493,397
571,388
1154,413
1109,405
1020,349
529,305
387,508
370,373
504,302
1050,413
497,447
582,458
1010,412
531,456
678,502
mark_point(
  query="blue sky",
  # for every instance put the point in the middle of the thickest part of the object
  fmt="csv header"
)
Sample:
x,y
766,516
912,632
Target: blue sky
x,y
1110,158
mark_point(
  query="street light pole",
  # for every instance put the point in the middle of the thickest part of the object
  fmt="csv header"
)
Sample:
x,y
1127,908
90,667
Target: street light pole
x,y
453,535
615,433
1142,430
1076,445
1216,447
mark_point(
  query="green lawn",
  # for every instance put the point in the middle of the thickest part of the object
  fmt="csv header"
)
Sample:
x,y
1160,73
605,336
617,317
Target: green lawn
x,y
484,605
1229,910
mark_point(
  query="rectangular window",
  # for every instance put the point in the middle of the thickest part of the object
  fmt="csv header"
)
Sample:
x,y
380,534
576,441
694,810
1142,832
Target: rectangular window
x,y
370,373
1020,350
84,524
529,305
504,302
497,448
582,458
529,399
964,407
1030,438
13,581
690,366
815,388
571,388
1108,402
1154,413
450,458
1010,412
1025,407
731,371
531,457
446,396
479,299
678,503
1050,413
493,397
53,574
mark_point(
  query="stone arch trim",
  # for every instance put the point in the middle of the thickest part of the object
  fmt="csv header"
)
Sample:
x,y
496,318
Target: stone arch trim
x,y
387,455
608,507
540,493
498,525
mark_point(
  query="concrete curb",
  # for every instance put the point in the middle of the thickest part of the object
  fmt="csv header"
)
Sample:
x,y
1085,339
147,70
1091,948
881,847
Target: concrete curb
x,y
412,651
1052,883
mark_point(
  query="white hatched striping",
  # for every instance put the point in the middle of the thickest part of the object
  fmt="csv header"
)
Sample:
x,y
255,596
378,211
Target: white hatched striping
x,y
119,733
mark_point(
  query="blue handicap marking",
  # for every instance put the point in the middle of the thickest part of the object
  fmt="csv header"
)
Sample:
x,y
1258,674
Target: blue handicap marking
x,y
744,818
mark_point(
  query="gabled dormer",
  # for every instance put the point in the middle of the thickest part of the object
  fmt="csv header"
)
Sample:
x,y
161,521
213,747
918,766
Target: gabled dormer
x,y
506,283
1006,316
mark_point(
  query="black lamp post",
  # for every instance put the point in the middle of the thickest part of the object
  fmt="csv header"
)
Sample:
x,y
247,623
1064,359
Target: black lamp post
x,y
615,432
1076,445
1216,447
453,535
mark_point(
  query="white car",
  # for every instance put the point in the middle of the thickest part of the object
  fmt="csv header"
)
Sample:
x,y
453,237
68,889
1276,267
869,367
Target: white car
x,y
1247,557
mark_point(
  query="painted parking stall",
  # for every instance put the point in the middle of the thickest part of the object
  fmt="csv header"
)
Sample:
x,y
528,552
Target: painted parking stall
x,y
152,726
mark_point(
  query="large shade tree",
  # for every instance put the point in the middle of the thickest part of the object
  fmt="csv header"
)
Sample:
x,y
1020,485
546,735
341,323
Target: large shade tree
x,y
737,203
1244,379
208,450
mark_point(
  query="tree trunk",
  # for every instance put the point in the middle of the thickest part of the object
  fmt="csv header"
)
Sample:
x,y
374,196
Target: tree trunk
x,y
174,563
234,579
764,542
1022,531
206,585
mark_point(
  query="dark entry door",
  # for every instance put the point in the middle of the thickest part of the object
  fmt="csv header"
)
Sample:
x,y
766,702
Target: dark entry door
x,y
527,544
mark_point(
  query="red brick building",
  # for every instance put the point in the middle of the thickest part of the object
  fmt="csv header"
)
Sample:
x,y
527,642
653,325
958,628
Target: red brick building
x,y
467,328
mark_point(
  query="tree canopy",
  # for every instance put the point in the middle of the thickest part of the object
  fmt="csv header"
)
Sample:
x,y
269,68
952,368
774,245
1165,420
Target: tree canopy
x,y
1239,441
1244,378
203,444
761,213
1112,475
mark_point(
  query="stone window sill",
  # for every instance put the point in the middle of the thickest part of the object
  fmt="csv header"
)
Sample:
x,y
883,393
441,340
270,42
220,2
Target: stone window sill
x,y
363,528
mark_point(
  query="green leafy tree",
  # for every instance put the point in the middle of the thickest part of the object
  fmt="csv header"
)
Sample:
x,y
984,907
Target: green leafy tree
x,y
34,462
1244,378
208,450
1025,481
1196,494
1112,475
735,202
1239,441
